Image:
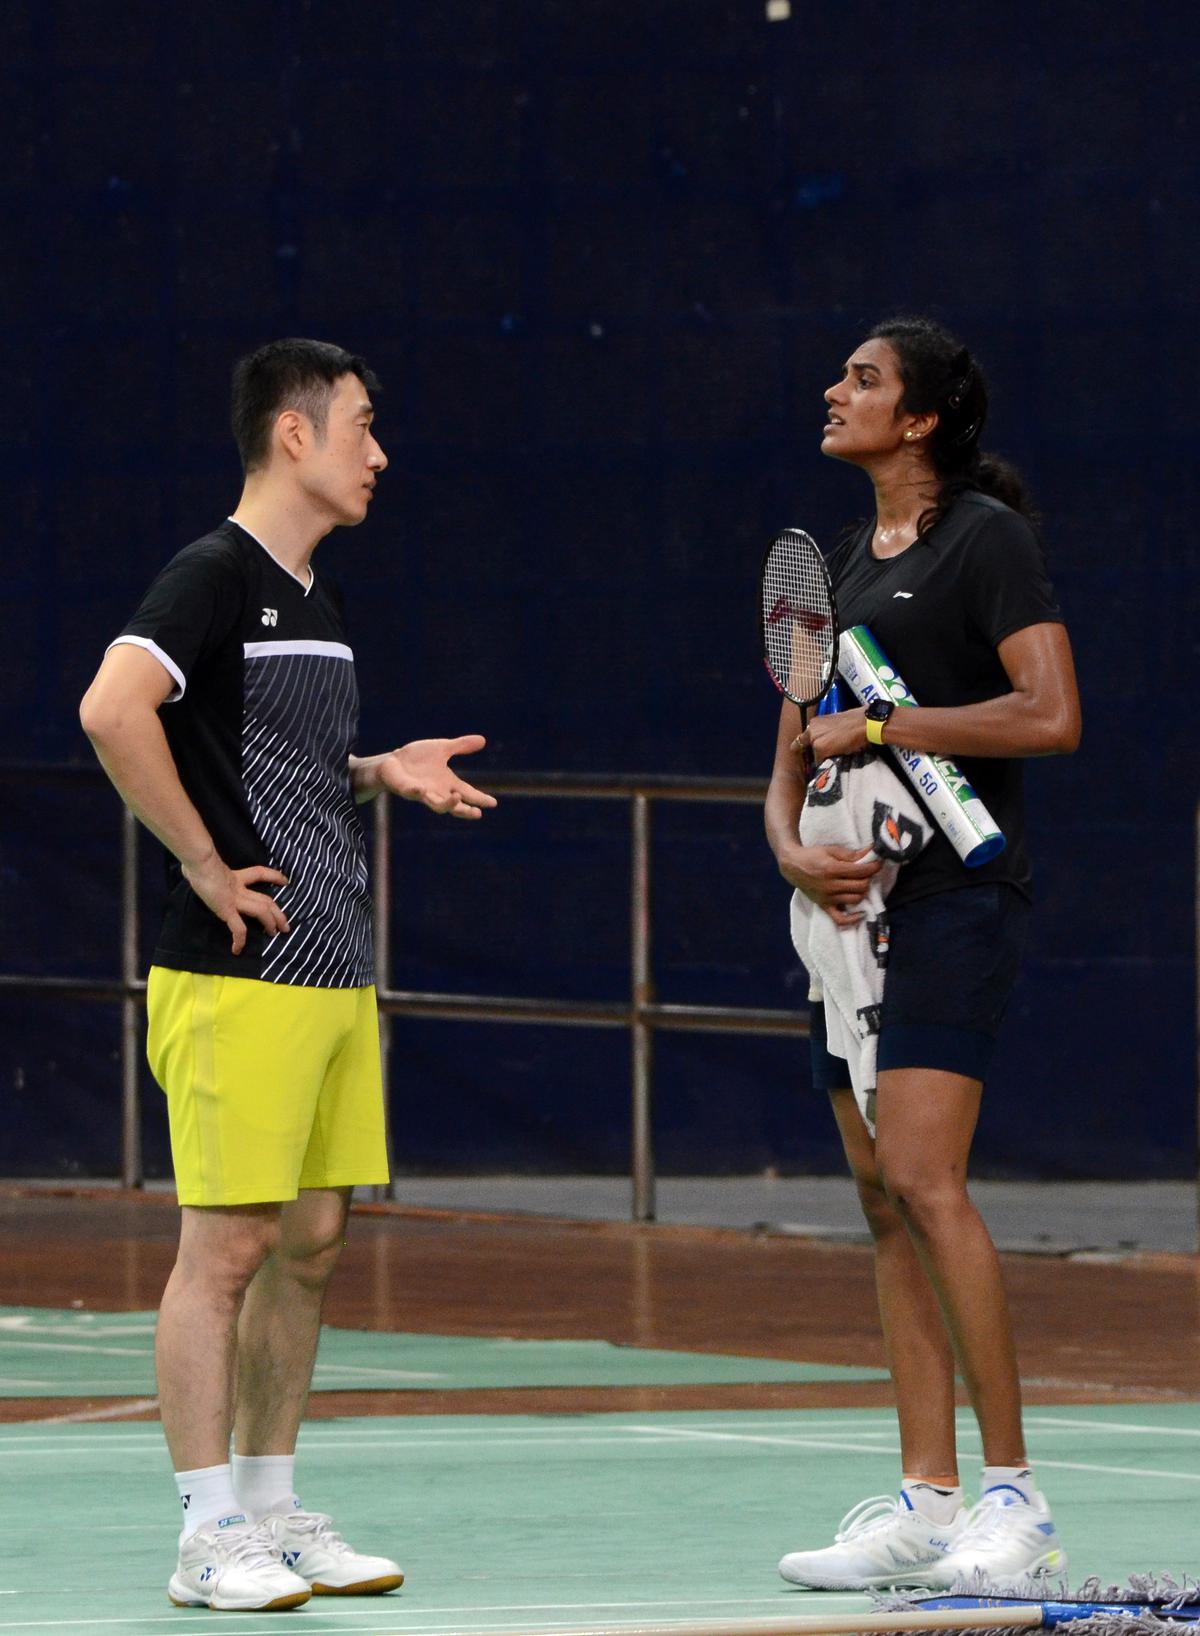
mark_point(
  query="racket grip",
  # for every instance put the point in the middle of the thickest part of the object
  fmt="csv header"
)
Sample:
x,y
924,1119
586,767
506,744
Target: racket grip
x,y
831,701
808,765
946,794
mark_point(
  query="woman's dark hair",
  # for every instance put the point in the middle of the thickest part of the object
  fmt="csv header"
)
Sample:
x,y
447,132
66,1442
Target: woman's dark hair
x,y
941,376
291,374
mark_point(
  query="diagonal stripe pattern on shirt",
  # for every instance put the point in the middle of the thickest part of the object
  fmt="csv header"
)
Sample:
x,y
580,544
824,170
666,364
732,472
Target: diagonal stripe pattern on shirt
x,y
300,718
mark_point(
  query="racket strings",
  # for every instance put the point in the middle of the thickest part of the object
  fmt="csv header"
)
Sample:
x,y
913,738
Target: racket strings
x,y
798,618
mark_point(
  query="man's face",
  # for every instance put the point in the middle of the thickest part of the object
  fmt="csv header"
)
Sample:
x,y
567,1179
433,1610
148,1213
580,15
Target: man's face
x,y
339,470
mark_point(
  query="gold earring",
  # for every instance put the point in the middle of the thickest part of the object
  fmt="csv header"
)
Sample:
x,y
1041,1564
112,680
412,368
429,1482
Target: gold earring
x,y
908,435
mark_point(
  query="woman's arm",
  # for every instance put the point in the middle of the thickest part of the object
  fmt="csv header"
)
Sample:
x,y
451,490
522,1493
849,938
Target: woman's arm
x,y
834,877
1040,717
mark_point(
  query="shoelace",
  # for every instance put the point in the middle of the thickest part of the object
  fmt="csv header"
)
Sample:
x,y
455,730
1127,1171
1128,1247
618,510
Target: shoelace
x,y
253,1548
990,1519
866,1515
319,1525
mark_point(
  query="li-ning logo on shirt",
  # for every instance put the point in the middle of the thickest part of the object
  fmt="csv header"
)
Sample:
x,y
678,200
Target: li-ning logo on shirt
x,y
270,616
907,595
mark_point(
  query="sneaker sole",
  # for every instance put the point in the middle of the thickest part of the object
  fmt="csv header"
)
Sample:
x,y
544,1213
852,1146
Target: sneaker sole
x,y
1053,1564
917,1579
363,1587
280,1604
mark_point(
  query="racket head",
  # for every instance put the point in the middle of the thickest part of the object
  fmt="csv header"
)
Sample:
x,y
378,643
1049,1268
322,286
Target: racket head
x,y
797,618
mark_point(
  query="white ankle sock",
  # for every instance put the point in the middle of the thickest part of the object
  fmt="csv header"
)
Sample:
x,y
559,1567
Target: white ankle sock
x,y
1018,1477
932,1500
207,1497
265,1482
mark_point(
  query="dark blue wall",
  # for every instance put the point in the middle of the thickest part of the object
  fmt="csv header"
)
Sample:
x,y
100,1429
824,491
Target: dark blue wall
x,y
605,256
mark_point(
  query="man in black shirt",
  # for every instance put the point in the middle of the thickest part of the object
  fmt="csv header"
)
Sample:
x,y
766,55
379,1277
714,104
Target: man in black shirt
x,y
224,713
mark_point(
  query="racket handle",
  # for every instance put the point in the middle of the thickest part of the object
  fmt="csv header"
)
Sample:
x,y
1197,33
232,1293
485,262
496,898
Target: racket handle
x,y
807,765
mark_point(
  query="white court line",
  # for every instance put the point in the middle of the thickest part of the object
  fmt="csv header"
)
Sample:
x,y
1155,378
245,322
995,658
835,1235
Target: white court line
x,y
61,1346
19,1326
1113,1425
894,1448
132,1405
47,1446
511,1609
386,1374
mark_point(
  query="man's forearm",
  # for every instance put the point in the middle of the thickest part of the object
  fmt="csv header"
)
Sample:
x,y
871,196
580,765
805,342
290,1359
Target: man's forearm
x,y
137,758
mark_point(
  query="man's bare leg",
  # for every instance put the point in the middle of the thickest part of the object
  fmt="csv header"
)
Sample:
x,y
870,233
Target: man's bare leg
x,y
280,1322
220,1250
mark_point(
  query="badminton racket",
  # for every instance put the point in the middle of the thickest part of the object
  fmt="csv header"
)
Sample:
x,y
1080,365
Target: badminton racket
x,y
798,622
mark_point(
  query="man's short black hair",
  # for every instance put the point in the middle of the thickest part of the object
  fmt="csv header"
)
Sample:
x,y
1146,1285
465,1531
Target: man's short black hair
x,y
291,374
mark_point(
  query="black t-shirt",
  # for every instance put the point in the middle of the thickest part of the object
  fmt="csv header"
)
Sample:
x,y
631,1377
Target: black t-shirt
x,y
261,723
939,611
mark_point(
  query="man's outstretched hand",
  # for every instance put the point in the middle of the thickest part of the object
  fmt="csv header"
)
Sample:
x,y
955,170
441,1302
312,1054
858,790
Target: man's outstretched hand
x,y
421,771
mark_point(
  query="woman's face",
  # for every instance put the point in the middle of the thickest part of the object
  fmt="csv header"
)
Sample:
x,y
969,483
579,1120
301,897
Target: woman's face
x,y
865,419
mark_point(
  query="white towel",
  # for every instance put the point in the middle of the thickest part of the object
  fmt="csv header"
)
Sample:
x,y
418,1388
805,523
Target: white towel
x,y
855,801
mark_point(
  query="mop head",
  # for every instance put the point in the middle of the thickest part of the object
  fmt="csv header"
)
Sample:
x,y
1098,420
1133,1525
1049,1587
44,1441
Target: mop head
x,y
1159,1605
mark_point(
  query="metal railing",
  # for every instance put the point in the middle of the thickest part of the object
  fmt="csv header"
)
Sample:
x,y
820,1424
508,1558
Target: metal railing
x,y
642,1015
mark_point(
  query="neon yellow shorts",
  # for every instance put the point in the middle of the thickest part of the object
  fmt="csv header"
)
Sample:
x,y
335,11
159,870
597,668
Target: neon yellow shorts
x,y
270,1087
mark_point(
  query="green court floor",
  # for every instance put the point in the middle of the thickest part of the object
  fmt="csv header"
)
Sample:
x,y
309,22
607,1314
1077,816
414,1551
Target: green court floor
x,y
530,1524
52,1353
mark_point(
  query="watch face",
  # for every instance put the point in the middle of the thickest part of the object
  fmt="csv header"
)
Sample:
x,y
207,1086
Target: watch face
x,y
879,709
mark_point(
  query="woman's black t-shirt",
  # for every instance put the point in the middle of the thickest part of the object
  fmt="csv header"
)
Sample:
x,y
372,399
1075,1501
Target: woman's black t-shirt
x,y
939,611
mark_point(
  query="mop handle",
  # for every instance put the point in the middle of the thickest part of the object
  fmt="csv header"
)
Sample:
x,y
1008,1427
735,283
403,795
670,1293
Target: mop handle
x,y
1025,1615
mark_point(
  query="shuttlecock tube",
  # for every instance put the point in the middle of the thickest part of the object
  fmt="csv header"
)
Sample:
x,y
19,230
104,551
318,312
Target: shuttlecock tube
x,y
947,794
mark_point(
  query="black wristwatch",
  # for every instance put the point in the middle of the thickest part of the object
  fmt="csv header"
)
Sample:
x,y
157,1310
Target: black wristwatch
x,y
879,713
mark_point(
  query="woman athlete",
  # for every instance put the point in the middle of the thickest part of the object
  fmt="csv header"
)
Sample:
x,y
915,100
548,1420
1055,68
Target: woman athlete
x,y
950,577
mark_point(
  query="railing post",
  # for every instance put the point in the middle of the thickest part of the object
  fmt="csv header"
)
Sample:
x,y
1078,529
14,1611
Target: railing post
x,y
641,1030
381,893
131,1014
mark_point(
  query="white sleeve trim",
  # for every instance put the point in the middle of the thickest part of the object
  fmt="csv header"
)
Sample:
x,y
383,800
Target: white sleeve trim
x,y
164,659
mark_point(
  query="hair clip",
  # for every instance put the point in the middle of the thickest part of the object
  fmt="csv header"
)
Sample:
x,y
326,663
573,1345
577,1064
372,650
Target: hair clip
x,y
958,390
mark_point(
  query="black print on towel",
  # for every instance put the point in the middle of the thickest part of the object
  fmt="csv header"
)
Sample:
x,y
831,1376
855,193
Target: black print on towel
x,y
879,934
301,712
892,835
868,1016
825,786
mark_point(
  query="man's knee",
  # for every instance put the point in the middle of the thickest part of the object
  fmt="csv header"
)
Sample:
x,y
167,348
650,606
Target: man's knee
x,y
223,1249
312,1236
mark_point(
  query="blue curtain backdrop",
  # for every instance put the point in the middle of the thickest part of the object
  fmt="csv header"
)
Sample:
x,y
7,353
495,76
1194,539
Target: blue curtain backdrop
x,y
605,256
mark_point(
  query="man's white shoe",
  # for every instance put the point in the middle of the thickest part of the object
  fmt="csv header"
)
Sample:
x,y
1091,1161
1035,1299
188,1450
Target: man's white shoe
x,y
309,1545
1007,1538
881,1542
234,1569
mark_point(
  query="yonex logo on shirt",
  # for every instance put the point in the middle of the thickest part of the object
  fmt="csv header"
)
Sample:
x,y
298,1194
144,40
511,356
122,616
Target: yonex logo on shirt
x,y
270,616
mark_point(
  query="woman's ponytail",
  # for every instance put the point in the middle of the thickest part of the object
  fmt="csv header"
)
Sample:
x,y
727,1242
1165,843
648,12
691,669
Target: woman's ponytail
x,y
940,376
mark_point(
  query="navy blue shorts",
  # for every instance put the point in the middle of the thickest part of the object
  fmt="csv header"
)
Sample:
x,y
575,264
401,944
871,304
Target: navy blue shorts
x,y
952,965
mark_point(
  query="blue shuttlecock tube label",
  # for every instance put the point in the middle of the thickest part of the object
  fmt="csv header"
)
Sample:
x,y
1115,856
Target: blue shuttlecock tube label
x,y
947,794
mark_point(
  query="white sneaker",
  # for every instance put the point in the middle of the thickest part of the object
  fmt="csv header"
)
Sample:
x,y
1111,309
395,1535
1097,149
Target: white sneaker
x,y
235,1569
309,1545
1007,1538
881,1542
